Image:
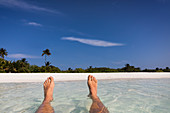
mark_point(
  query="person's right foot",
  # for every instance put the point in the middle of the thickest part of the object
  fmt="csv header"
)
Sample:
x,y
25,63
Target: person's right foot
x,y
48,89
92,84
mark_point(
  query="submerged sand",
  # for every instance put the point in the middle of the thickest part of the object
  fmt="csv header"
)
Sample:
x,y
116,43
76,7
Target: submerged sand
x,y
40,77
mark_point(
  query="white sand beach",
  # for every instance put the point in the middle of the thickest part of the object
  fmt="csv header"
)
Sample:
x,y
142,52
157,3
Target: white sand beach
x,y
40,77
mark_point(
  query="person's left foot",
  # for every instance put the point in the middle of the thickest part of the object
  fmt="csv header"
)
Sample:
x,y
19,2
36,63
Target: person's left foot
x,y
48,89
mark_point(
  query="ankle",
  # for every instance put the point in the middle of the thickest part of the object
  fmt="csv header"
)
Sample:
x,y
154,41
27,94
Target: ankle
x,y
94,94
94,98
48,99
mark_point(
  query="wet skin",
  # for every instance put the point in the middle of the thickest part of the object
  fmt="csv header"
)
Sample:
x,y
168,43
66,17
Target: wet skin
x,y
96,107
46,107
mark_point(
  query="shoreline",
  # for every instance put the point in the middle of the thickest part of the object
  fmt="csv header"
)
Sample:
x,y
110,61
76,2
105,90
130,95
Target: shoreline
x,y
40,77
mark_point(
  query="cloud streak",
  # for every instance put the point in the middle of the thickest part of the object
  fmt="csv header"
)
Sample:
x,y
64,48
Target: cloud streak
x,y
92,42
26,6
34,24
21,56
120,62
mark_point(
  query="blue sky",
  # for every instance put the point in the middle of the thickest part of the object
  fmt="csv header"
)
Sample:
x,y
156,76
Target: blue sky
x,y
83,33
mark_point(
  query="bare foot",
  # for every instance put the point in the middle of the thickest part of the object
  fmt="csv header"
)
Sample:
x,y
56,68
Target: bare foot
x,y
92,84
48,89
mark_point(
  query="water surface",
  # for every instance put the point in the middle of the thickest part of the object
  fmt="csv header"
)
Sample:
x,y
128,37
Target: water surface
x,y
120,96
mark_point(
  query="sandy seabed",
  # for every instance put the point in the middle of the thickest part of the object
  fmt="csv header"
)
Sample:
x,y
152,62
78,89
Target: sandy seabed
x,y
40,77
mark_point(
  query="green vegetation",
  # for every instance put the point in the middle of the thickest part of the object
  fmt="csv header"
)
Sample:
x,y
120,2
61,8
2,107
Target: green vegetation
x,y
22,66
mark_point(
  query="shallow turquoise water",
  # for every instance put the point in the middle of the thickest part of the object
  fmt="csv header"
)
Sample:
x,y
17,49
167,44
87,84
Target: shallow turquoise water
x,y
120,96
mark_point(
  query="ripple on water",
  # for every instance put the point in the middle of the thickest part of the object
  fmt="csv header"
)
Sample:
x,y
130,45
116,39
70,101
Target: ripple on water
x,y
120,96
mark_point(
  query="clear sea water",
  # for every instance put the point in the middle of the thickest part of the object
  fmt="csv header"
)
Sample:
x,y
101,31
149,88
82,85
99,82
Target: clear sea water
x,y
120,96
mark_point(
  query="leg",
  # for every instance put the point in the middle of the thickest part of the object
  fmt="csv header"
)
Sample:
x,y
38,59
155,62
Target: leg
x,y
45,107
97,106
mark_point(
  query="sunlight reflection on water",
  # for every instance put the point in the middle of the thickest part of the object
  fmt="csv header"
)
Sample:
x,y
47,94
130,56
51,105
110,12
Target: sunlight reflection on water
x,y
120,96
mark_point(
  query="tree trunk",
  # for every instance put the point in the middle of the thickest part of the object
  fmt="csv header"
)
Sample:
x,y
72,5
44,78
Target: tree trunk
x,y
45,60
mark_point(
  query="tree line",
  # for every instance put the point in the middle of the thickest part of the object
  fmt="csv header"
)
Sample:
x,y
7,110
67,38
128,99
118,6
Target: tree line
x,y
22,66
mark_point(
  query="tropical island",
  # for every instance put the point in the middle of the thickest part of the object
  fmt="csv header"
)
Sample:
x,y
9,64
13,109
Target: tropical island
x,y
22,66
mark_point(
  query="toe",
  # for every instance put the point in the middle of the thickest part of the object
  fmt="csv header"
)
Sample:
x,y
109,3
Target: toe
x,y
95,80
51,79
92,78
89,77
48,79
45,82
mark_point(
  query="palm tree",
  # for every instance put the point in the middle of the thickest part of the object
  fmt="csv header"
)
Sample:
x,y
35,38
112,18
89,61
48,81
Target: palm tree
x,y
3,52
127,65
48,63
23,62
46,52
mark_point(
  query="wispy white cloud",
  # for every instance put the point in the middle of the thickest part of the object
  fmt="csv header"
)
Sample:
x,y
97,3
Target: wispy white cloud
x,y
92,42
26,6
34,24
22,56
120,62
